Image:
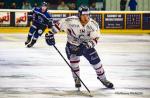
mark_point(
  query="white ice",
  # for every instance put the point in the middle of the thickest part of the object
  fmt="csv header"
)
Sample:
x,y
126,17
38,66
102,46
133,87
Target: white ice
x,y
40,72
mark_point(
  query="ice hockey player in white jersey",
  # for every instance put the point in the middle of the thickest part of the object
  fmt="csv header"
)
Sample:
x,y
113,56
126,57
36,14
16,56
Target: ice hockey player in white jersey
x,y
82,36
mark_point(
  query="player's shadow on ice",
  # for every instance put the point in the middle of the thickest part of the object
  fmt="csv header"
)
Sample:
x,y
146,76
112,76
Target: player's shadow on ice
x,y
105,92
67,93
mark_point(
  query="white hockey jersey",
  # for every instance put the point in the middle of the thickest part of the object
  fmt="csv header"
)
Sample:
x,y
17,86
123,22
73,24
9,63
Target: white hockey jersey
x,y
76,32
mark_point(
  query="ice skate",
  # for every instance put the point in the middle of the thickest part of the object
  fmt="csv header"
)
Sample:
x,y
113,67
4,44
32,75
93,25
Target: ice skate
x,y
28,41
106,83
31,44
77,83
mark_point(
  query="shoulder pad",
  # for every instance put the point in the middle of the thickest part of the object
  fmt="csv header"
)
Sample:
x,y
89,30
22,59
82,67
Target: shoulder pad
x,y
36,8
72,18
95,23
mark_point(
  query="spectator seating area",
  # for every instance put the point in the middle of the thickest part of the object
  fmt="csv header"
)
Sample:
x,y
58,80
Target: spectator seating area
x,y
52,4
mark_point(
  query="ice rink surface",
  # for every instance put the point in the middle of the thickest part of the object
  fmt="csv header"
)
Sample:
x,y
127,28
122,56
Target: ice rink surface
x,y
40,72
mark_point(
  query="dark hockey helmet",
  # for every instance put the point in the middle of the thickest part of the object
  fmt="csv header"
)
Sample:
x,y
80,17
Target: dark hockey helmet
x,y
44,4
83,10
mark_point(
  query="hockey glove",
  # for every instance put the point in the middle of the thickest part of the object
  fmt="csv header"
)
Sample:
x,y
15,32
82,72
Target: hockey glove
x,y
49,37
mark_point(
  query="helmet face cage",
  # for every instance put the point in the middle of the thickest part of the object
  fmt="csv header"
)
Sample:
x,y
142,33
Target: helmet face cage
x,y
83,10
44,4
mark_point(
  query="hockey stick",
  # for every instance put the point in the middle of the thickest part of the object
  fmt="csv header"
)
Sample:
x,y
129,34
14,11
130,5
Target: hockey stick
x,y
73,71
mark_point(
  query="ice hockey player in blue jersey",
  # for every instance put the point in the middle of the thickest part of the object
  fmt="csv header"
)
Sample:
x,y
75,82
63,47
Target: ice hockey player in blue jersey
x,y
41,19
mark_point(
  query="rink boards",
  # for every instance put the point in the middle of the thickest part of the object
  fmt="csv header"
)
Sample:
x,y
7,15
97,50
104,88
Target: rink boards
x,y
110,22
20,30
